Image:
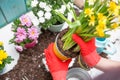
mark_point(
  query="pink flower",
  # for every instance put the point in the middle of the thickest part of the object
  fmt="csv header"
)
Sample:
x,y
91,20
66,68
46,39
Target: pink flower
x,y
19,48
21,34
25,20
18,40
33,33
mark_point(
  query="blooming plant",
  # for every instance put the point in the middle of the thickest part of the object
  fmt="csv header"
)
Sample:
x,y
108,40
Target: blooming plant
x,y
95,20
25,33
4,58
44,11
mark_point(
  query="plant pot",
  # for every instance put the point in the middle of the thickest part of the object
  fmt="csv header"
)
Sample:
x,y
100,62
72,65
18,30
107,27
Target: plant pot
x,y
59,52
56,28
67,54
30,45
3,70
105,46
78,74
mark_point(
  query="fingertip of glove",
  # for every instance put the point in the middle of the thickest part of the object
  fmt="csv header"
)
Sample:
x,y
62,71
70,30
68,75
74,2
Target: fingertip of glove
x,y
74,35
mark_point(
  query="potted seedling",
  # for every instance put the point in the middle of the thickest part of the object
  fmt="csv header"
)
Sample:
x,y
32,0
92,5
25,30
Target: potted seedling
x,y
25,33
94,20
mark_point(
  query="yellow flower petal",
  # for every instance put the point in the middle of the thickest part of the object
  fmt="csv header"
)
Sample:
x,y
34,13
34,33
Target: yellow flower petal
x,y
88,12
0,62
92,20
114,25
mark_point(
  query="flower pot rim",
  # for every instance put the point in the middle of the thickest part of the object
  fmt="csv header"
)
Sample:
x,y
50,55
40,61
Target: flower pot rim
x,y
57,51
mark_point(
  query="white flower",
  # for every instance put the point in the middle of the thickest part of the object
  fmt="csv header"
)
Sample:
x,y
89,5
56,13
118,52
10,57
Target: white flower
x,y
40,13
48,15
63,7
35,21
91,2
42,4
34,3
116,1
41,19
48,8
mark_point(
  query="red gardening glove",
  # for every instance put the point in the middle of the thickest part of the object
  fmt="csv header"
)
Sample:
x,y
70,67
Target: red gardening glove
x,y
57,67
87,50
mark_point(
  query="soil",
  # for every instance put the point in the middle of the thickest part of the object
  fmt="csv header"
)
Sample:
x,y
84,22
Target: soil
x,y
30,65
69,53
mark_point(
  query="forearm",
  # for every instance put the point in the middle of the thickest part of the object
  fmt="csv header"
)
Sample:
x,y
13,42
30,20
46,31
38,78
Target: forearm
x,y
79,3
107,64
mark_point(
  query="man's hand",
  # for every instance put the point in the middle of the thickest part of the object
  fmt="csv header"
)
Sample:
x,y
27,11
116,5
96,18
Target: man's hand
x,y
87,50
57,67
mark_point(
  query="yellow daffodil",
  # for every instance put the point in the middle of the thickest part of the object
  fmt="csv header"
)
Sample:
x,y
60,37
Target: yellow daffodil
x,y
1,43
114,25
112,6
116,11
102,24
3,54
1,62
92,21
101,17
100,32
88,12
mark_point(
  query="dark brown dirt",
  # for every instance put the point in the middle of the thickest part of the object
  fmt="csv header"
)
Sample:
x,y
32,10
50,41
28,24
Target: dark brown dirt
x,y
30,65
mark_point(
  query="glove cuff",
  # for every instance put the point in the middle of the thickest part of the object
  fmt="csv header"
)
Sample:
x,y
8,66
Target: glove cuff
x,y
59,75
92,59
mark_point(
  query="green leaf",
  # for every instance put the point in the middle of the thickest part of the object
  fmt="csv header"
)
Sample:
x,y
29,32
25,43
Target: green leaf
x,y
76,49
63,17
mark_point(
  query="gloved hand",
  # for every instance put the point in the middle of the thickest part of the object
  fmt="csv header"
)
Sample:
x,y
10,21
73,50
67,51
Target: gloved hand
x,y
87,50
57,67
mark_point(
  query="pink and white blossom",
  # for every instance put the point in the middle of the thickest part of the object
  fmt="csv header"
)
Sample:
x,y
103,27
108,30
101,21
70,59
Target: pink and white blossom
x,y
21,34
25,20
25,35
19,48
33,33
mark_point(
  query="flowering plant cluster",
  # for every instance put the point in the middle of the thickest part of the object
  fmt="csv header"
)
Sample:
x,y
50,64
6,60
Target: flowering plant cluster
x,y
25,33
4,58
44,11
97,17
